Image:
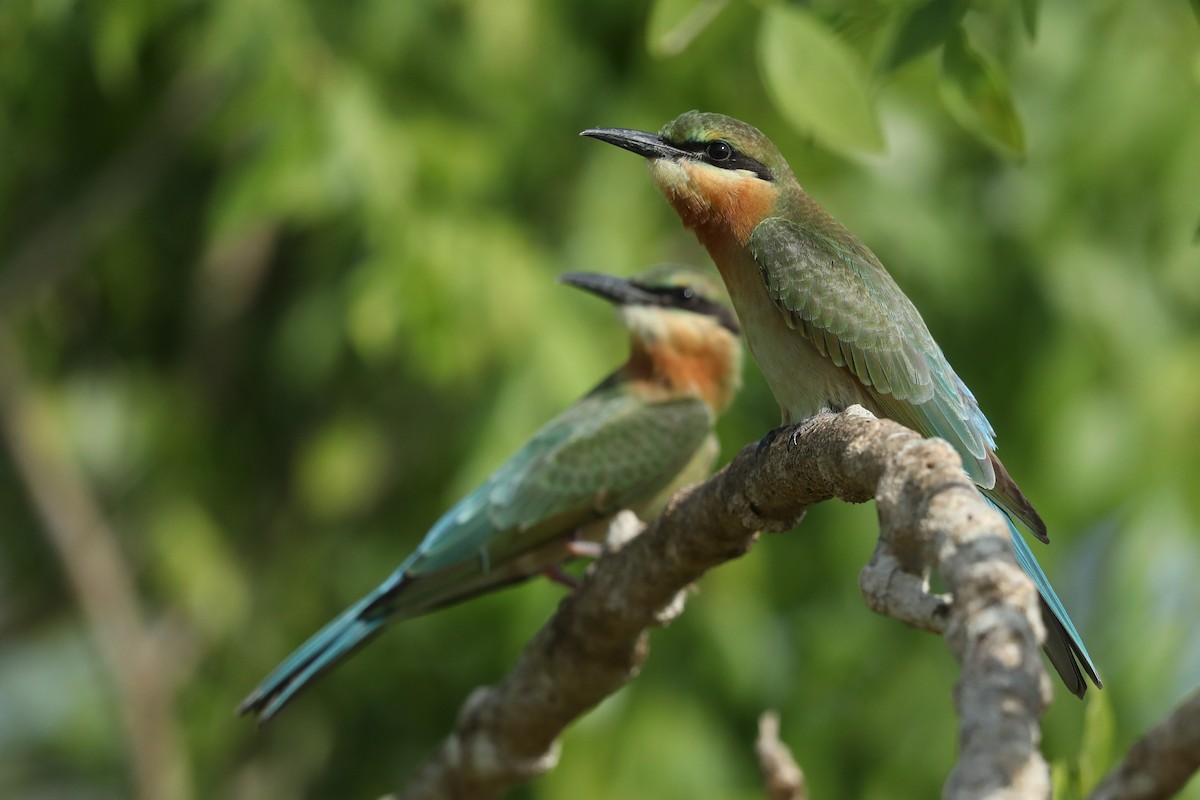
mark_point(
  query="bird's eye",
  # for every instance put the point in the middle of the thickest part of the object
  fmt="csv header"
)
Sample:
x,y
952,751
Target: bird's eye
x,y
718,150
684,295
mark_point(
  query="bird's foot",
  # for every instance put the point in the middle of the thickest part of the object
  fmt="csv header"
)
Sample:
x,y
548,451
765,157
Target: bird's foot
x,y
581,548
770,438
556,574
794,436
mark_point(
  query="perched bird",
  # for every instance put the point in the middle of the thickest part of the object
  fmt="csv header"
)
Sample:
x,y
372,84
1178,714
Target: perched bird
x,y
643,432
825,321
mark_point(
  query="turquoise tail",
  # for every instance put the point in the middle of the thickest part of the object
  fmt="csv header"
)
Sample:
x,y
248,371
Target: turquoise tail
x,y
350,630
1064,646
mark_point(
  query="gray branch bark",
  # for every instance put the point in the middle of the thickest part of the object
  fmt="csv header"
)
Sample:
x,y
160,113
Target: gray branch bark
x,y
1161,762
782,778
931,517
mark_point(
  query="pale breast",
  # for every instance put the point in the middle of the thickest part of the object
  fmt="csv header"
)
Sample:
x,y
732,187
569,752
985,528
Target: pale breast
x,y
803,381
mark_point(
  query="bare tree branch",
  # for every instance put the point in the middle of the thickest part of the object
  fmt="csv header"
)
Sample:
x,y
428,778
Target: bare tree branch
x,y
72,519
100,579
931,516
1161,762
782,777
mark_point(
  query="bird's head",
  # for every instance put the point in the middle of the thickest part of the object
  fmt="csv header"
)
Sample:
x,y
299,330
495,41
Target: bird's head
x,y
720,174
683,333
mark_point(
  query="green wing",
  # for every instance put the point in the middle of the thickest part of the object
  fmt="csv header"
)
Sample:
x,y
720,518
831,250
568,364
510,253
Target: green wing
x,y
607,452
834,291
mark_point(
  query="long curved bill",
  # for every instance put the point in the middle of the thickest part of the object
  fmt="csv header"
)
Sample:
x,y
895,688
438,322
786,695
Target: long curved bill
x,y
617,291
644,143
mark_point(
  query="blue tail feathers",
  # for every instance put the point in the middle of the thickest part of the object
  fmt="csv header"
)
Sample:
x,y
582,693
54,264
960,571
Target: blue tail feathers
x,y
323,650
1064,646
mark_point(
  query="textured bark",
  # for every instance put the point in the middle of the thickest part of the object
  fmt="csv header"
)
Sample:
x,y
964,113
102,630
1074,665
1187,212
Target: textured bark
x,y
782,778
1161,762
931,517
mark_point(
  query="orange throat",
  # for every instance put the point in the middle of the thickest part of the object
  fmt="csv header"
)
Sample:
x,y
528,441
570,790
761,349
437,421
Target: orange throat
x,y
722,206
704,364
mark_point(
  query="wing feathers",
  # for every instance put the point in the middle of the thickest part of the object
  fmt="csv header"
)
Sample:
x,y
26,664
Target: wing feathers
x,y
836,293
607,451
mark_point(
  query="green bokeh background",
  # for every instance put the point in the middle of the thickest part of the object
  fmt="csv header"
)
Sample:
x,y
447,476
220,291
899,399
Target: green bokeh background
x,y
279,278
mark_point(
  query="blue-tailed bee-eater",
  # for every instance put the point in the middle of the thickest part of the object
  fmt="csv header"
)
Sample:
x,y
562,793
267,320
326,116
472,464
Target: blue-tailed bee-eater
x,y
825,321
642,433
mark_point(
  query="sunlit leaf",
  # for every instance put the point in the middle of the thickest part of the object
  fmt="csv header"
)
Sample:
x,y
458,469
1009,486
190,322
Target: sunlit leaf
x,y
1029,15
309,339
861,26
815,81
674,24
342,466
1063,781
976,92
121,30
116,46
1096,748
194,563
924,28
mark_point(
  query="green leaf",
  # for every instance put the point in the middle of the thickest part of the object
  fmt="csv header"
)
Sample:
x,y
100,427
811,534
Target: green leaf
x,y
976,93
120,29
341,468
193,562
815,80
1063,781
674,24
923,29
1096,747
1029,15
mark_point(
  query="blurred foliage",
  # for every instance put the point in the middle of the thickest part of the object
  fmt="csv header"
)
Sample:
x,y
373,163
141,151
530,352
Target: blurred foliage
x,y
283,272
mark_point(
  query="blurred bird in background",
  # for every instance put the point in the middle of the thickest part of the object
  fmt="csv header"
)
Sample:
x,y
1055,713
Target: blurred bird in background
x,y
643,432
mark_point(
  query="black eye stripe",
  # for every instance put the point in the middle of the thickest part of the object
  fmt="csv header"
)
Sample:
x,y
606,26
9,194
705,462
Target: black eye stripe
x,y
735,160
686,299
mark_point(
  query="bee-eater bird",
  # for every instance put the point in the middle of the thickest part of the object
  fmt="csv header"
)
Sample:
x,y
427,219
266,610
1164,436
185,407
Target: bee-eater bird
x,y
643,432
825,321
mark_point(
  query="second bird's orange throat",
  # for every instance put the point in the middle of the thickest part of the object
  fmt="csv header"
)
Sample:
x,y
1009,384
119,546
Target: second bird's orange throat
x,y
684,354
720,205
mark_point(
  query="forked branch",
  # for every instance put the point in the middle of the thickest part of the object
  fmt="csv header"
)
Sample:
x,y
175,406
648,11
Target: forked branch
x,y
931,517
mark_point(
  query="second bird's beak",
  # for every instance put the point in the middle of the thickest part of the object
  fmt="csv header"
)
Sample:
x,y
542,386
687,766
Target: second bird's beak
x,y
648,145
617,291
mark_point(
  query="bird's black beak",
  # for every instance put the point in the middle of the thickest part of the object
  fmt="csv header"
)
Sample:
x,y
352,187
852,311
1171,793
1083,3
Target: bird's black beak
x,y
647,145
617,291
